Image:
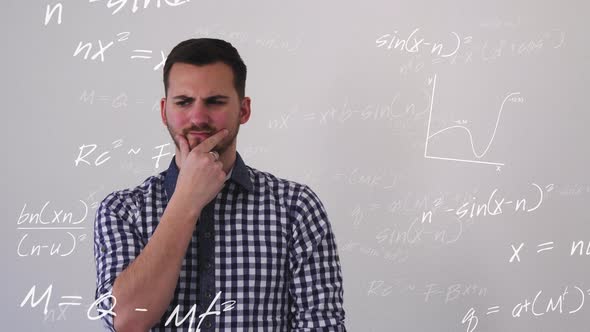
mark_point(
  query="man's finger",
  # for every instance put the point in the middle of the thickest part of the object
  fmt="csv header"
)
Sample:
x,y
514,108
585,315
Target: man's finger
x,y
208,144
183,146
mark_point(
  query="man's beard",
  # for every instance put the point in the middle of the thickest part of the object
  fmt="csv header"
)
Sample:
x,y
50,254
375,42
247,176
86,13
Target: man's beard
x,y
220,148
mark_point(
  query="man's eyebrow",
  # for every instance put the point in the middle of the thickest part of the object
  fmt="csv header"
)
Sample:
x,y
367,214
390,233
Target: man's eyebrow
x,y
208,98
182,97
217,97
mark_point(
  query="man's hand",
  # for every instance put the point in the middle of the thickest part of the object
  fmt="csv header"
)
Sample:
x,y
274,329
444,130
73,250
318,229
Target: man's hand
x,y
201,177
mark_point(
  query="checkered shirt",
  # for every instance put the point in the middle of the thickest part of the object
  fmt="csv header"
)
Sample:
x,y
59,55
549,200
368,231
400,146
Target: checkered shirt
x,y
262,256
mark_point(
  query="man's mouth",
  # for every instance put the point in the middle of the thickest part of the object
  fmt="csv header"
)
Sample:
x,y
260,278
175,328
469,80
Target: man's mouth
x,y
199,133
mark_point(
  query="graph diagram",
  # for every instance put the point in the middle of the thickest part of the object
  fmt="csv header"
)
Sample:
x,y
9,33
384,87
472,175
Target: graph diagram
x,y
477,157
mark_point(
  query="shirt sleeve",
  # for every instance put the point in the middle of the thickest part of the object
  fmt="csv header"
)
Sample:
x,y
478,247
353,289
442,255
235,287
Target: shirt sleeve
x,y
116,244
316,278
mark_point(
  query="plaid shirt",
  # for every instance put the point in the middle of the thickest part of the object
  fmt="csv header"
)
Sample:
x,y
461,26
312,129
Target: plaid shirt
x,y
263,253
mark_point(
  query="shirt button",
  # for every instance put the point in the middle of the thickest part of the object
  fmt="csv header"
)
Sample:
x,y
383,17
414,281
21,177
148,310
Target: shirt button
x,y
207,235
209,295
208,324
208,266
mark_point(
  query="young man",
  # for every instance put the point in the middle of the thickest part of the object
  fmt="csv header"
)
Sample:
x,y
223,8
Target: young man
x,y
211,243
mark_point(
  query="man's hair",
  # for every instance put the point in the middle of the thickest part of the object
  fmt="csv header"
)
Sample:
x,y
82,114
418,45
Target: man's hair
x,y
204,51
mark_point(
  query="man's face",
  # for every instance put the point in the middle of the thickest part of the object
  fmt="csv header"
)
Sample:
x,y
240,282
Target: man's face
x,y
202,99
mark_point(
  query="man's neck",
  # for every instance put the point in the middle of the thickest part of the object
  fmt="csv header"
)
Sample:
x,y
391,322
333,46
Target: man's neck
x,y
228,159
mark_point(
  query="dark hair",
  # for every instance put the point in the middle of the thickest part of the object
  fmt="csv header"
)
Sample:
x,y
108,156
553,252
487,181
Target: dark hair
x,y
204,51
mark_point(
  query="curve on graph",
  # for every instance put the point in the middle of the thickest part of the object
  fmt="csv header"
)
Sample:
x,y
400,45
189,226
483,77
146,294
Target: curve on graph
x,y
469,132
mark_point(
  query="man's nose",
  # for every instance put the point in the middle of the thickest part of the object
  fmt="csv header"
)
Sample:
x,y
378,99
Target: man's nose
x,y
199,113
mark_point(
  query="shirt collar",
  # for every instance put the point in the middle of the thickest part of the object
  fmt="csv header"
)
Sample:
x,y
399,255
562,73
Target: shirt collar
x,y
238,173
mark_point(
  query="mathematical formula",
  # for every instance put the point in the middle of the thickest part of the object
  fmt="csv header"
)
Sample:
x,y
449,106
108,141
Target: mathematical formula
x,y
76,300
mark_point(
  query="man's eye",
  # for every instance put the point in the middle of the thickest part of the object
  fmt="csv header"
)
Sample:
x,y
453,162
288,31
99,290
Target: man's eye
x,y
182,103
216,102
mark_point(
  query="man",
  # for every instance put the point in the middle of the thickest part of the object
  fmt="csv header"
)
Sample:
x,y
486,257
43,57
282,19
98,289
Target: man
x,y
211,243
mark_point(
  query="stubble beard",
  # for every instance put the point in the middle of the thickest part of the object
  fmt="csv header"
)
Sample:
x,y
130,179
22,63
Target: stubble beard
x,y
220,148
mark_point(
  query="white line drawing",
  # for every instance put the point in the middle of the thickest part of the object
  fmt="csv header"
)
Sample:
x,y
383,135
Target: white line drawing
x,y
510,97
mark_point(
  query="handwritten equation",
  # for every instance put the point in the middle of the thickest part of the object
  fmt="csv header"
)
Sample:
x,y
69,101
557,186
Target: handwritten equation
x,y
57,9
569,302
75,300
494,205
458,49
35,224
577,248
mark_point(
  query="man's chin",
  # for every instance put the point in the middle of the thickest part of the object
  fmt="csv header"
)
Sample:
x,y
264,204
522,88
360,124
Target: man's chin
x,y
217,148
193,144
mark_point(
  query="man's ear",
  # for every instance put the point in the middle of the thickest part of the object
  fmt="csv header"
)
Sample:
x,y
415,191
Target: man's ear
x,y
163,111
245,110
